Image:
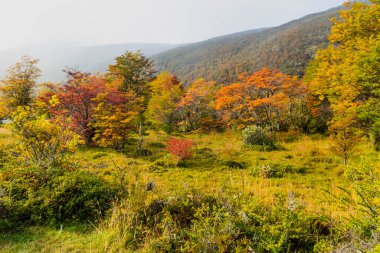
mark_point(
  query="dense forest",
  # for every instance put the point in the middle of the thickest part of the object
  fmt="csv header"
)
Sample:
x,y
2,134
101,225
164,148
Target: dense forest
x,y
282,157
288,48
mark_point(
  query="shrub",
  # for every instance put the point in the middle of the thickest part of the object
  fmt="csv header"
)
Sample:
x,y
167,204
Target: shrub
x,y
37,197
40,140
362,198
157,145
276,170
257,136
180,148
194,222
205,153
78,196
143,152
233,164
98,155
166,162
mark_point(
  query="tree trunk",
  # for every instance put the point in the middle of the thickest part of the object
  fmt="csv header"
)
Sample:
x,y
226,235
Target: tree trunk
x,y
345,159
139,145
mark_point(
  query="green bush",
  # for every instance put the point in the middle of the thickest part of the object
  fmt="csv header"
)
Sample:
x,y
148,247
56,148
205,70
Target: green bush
x,y
157,145
276,170
255,136
200,223
144,152
98,155
37,197
205,153
233,164
167,162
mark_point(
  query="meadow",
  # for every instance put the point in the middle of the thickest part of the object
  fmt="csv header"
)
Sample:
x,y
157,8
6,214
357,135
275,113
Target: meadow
x,y
304,174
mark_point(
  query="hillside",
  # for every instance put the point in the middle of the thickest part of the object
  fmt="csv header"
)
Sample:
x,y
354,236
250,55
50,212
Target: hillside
x,y
54,57
288,47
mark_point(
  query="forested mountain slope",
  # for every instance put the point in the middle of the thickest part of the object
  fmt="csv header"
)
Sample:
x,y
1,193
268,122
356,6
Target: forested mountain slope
x,y
288,47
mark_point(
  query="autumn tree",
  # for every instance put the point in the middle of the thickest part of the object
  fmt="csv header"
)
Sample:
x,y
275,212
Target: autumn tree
x,y
166,93
115,117
346,73
195,107
40,140
136,72
76,100
267,98
4,110
92,106
18,88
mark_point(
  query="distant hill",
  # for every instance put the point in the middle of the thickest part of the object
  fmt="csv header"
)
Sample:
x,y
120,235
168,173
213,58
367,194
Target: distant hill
x,y
288,47
54,57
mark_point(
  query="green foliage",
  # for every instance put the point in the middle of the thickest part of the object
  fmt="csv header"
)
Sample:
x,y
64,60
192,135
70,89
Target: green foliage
x,y
276,170
136,71
167,162
162,107
199,223
19,86
144,152
233,164
257,136
98,155
157,145
195,107
32,196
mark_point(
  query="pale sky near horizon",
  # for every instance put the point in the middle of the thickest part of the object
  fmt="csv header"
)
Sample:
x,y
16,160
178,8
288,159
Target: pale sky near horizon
x,y
93,22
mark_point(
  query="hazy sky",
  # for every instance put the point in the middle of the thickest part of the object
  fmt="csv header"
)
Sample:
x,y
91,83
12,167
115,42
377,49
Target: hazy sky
x,y
93,22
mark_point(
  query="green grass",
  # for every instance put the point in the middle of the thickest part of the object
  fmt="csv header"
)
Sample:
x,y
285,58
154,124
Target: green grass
x,y
316,169
44,239
312,173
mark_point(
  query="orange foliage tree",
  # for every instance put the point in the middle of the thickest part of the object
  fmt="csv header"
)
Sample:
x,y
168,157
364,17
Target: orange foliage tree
x,y
195,107
267,98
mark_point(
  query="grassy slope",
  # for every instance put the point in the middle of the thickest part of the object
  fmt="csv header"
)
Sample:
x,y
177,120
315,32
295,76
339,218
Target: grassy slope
x,y
319,172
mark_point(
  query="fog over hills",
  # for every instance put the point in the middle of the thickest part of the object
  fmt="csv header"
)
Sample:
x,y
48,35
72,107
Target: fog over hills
x,y
54,57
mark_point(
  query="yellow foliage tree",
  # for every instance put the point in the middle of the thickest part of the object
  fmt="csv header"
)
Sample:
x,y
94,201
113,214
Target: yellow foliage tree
x,y
166,93
18,88
41,141
346,74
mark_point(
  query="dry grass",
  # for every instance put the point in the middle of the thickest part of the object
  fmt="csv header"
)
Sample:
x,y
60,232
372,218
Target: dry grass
x,y
4,131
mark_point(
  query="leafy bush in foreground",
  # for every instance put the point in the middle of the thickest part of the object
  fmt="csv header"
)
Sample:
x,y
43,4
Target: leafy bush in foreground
x,y
194,222
35,197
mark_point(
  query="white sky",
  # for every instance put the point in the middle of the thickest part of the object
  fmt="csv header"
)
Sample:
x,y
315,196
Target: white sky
x,y
93,22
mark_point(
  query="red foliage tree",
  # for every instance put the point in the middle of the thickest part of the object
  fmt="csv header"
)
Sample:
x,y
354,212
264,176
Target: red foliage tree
x,y
78,100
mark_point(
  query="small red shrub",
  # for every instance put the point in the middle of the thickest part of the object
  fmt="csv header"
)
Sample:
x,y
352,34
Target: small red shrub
x,y
180,148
